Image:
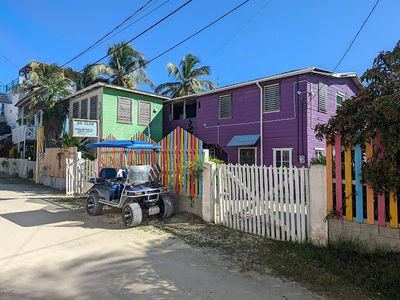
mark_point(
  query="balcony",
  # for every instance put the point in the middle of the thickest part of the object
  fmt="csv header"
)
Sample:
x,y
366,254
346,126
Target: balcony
x,y
24,133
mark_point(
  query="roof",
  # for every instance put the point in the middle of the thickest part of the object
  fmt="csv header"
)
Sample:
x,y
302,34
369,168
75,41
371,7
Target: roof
x,y
243,140
126,144
111,86
313,70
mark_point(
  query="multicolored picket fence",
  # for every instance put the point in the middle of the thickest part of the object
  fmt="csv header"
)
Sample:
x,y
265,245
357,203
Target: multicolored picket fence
x,y
115,157
180,160
52,161
351,198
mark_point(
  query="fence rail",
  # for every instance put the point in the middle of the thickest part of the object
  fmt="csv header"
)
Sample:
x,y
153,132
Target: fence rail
x,y
266,201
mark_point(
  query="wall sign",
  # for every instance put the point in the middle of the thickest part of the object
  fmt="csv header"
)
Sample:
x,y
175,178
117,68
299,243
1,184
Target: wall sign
x,y
85,128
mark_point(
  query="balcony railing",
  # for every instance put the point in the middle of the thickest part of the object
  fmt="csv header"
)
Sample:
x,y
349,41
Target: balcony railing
x,y
24,133
6,88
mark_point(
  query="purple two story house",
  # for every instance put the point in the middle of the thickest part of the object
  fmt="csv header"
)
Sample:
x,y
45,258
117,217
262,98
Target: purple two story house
x,y
268,121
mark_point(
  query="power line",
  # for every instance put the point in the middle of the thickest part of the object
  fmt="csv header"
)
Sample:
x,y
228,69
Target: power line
x,y
355,37
241,28
129,25
146,30
10,61
192,35
108,34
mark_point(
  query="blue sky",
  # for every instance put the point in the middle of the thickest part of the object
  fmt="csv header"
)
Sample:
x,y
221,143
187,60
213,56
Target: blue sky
x,y
264,37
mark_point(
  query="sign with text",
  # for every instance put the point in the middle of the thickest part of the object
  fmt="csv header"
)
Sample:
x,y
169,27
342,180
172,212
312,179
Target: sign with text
x,y
85,128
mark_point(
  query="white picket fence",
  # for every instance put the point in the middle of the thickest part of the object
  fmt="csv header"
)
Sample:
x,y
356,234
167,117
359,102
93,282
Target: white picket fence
x,y
77,173
266,201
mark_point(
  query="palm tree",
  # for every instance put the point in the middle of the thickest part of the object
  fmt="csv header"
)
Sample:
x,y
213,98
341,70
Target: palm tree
x,y
187,78
126,67
88,76
46,85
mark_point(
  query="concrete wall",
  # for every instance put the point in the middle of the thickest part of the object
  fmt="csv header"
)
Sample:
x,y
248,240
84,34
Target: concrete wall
x,y
372,236
54,182
18,167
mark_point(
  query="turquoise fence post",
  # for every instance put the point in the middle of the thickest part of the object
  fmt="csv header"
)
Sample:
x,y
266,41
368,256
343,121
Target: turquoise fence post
x,y
359,190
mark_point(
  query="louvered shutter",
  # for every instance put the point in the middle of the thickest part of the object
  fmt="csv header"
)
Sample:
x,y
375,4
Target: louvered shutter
x,y
84,109
75,110
272,101
93,108
144,113
322,97
124,114
225,106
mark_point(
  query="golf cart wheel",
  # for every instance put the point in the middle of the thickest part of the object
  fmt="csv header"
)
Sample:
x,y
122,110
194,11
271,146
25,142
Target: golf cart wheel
x,y
93,206
167,207
132,214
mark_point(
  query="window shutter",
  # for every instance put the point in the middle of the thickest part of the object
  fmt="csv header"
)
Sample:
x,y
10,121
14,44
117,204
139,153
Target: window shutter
x,y
144,113
225,106
93,108
272,101
124,114
75,110
322,97
84,109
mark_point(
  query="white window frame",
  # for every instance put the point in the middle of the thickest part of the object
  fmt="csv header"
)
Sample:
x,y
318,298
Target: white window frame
x,y
340,94
280,102
274,150
219,107
246,148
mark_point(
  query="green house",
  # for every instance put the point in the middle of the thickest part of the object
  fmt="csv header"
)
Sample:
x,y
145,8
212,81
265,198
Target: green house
x,y
120,112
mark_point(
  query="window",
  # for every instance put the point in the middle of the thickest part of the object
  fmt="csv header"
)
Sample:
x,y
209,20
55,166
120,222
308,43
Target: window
x,y
247,156
319,152
322,97
282,157
339,99
190,109
84,109
225,106
144,113
124,113
272,98
2,109
75,110
177,111
93,108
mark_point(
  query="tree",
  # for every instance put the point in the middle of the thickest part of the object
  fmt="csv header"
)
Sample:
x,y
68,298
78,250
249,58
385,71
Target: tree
x,y
374,111
187,78
46,85
126,67
88,76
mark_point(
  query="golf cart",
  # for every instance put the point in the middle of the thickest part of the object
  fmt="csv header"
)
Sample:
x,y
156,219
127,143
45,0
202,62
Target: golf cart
x,y
134,189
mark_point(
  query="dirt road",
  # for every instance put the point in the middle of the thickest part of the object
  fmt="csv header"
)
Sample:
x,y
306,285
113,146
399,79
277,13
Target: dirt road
x,y
49,251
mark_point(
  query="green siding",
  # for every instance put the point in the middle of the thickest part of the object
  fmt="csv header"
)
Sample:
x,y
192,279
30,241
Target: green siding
x,y
126,131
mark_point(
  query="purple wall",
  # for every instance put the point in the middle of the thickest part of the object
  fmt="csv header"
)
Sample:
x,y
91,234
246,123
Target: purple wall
x,y
289,128
314,117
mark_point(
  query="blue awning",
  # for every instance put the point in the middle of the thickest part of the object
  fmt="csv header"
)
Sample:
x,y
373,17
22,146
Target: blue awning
x,y
127,144
243,140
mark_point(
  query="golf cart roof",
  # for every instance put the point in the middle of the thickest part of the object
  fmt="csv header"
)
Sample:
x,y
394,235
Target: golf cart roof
x,y
126,144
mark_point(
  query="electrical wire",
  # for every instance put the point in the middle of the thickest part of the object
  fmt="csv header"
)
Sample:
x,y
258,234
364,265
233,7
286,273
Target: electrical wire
x,y
129,25
355,37
144,31
108,33
191,36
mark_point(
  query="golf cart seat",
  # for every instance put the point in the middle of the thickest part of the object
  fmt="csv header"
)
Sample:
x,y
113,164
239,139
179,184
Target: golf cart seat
x,y
108,173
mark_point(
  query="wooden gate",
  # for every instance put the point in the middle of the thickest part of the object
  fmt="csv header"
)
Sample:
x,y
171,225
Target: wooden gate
x,y
266,201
